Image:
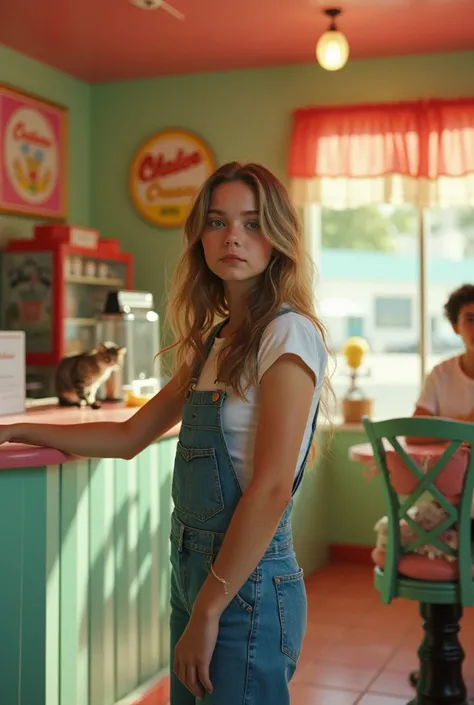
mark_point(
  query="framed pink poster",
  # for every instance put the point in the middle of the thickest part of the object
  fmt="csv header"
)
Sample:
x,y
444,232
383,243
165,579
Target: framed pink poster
x,y
33,158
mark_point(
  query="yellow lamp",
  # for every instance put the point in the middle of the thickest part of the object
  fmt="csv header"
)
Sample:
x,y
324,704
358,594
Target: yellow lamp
x,y
354,350
332,49
355,404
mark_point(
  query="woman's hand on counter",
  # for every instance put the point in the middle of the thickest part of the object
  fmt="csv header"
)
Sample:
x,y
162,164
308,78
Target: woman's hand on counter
x,y
93,440
108,439
5,433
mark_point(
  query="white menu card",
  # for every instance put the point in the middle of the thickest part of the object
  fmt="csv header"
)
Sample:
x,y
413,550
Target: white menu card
x,y
12,372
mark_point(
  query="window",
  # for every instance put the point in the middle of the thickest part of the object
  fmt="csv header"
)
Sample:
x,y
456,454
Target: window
x,y
393,313
368,262
412,152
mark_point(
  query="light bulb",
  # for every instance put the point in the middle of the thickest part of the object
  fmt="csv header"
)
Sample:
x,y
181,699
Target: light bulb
x,y
332,50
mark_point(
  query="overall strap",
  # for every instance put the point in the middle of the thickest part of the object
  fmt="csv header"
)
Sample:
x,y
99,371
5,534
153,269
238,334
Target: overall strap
x,y
207,349
213,335
299,476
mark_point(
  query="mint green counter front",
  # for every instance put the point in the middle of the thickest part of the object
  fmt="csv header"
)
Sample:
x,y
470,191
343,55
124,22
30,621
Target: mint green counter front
x,y
84,546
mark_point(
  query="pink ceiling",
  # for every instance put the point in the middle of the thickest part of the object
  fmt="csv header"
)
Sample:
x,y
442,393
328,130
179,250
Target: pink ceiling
x,y
107,40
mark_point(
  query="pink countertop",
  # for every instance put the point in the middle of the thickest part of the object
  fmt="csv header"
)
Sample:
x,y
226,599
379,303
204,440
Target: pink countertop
x,y
18,455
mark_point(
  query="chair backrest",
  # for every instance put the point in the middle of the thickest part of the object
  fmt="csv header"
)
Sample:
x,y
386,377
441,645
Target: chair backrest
x,y
455,433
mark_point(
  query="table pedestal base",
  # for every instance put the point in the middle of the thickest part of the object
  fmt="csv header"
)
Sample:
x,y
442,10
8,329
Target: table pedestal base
x,y
440,680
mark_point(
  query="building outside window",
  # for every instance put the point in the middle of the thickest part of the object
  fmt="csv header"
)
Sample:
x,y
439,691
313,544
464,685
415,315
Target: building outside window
x,y
391,312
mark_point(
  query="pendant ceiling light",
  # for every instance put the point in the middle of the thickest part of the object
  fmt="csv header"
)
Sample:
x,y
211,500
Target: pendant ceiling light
x,y
332,49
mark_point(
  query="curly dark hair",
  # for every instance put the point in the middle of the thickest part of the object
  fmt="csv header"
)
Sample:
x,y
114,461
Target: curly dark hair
x,y
459,298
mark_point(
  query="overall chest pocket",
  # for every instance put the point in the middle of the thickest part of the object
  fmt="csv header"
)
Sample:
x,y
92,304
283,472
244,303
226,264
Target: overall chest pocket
x,y
196,483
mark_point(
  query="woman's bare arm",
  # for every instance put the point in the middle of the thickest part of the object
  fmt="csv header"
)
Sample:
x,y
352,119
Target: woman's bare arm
x,y
109,439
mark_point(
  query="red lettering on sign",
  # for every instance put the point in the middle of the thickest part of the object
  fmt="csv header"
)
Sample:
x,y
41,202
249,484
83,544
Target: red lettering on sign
x,y
20,133
155,167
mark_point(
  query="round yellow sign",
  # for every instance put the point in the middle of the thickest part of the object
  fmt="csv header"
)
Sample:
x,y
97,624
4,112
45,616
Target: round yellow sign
x,y
166,174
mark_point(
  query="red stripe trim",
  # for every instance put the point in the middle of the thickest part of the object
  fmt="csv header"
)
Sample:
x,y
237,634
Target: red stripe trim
x,y
159,694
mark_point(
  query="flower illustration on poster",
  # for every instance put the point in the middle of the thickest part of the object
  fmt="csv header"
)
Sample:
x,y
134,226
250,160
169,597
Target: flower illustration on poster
x,y
167,173
33,156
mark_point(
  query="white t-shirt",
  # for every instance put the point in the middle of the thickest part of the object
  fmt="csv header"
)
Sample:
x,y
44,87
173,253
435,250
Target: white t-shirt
x,y
448,392
289,333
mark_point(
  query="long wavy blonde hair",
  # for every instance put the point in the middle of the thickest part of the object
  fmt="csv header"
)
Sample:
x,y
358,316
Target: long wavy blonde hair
x,y
198,299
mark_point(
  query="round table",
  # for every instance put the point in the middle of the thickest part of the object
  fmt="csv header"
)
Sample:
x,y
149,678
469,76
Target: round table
x,y
449,481
363,452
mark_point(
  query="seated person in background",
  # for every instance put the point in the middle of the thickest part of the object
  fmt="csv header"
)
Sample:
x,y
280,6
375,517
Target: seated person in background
x,y
449,388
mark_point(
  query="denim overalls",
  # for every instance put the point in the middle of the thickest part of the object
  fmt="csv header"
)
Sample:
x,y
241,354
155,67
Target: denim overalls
x,y
262,629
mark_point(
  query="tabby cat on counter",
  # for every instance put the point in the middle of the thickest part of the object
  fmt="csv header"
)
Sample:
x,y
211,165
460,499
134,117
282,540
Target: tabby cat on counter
x,y
78,377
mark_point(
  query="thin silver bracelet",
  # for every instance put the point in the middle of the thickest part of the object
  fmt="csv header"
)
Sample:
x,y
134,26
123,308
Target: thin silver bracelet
x,y
221,580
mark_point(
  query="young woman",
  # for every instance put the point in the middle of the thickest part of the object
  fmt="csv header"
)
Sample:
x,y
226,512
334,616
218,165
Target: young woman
x,y
247,391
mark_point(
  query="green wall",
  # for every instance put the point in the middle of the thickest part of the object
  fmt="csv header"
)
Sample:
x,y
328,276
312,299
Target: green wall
x,y
355,501
24,73
243,115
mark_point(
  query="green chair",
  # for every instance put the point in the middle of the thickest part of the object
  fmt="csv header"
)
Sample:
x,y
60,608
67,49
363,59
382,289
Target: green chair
x,y
440,680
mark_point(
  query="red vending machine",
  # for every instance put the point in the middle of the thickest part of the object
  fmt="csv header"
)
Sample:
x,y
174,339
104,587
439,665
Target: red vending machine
x,y
54,287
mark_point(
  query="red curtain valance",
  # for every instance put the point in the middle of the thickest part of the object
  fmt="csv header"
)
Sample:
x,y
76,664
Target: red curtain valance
x,y
424,139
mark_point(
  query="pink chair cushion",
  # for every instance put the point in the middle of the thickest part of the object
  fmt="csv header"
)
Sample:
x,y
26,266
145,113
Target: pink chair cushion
x,y
449,481
421,567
